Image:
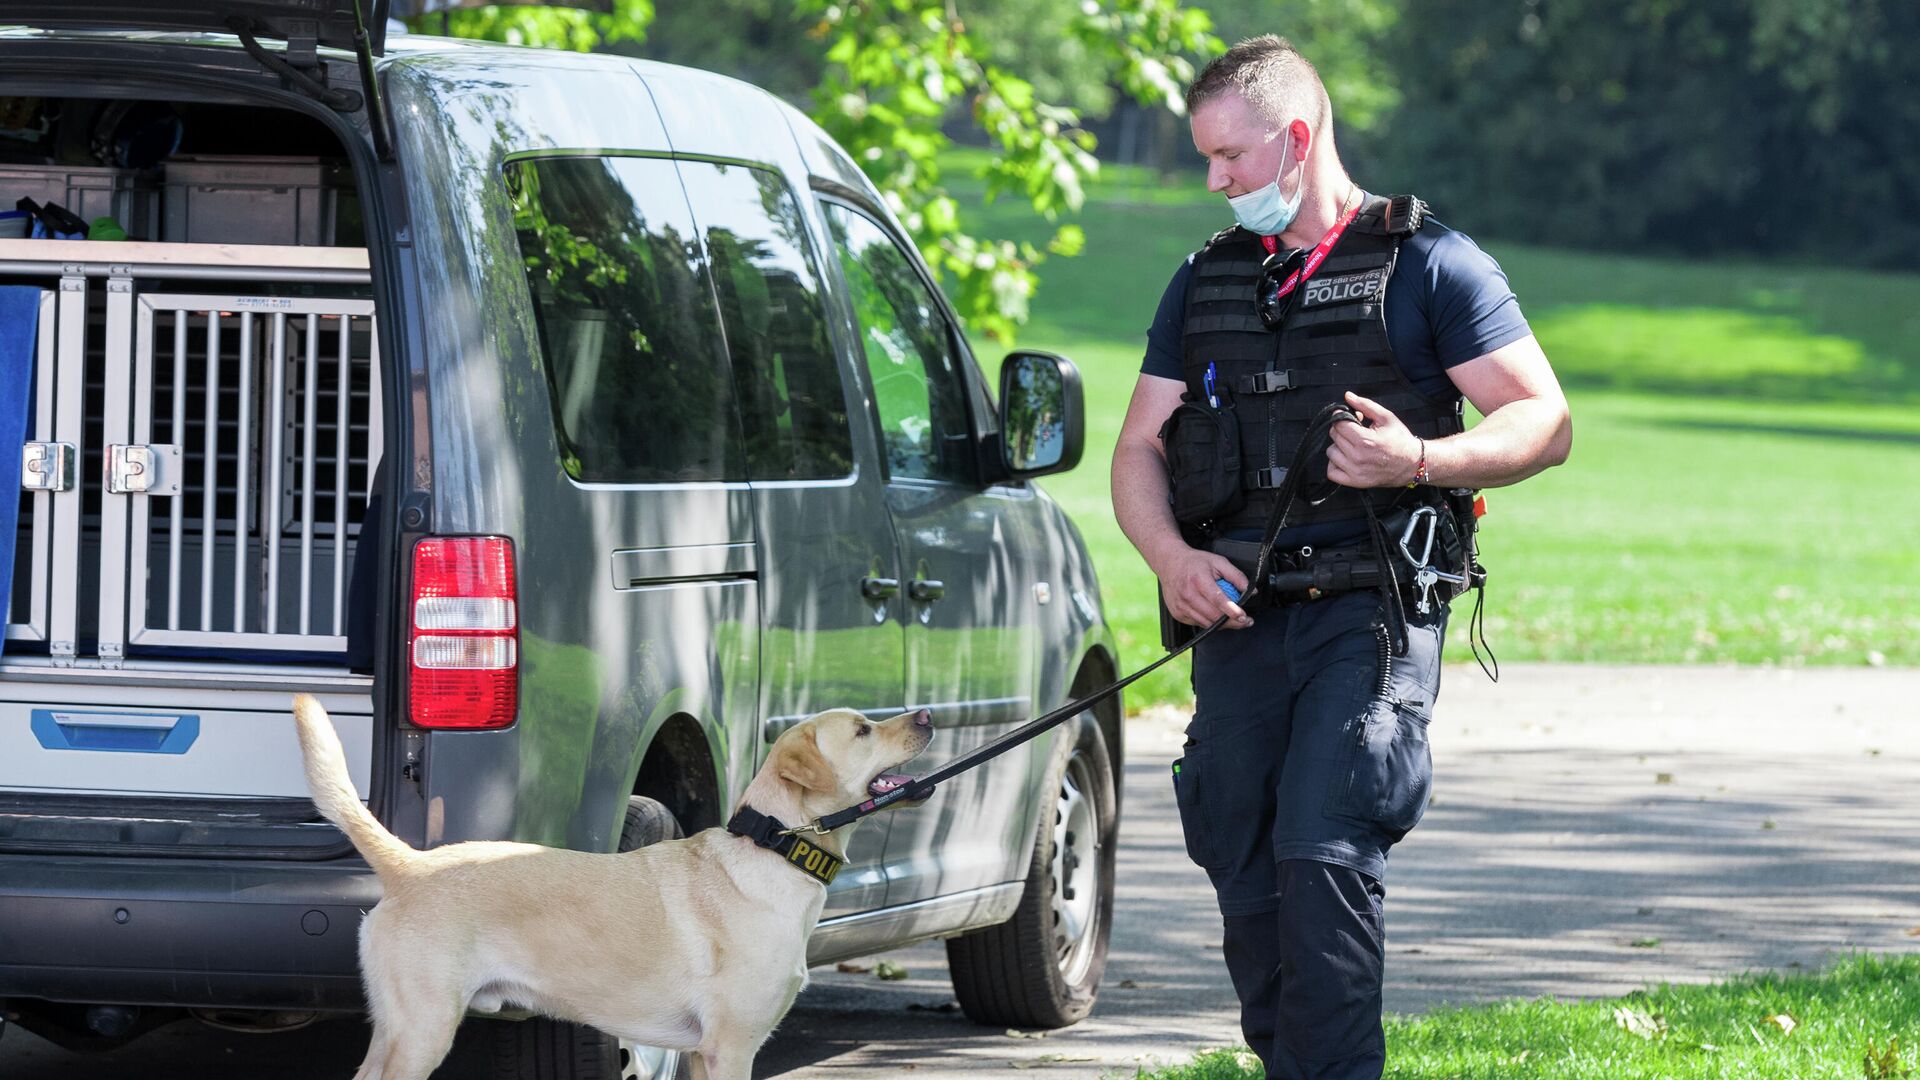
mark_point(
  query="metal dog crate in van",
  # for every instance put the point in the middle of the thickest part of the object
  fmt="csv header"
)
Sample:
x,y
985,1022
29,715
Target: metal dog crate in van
x,y
257,200
129,197
205,425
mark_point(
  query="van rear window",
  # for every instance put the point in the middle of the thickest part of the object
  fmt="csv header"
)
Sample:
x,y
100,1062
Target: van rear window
x,y
767,276
636,366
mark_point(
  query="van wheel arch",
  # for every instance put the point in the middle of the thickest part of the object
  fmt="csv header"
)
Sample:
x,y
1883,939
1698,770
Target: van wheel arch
x,y
1096,670
678,772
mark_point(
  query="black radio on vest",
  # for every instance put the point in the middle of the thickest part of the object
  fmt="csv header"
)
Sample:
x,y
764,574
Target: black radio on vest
x,y
1260,363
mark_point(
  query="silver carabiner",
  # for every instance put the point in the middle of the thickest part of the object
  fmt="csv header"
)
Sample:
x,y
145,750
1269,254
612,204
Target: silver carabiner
x,y
1419,562
1425,576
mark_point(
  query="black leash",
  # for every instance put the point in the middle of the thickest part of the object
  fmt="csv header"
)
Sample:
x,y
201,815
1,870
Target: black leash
x,y
1290,489
915,790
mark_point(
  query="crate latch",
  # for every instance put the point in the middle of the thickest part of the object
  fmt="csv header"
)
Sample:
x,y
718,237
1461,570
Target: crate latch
x,y
134,469
47,466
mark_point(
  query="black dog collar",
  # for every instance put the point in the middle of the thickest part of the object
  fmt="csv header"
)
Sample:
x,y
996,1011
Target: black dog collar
x,y
768,832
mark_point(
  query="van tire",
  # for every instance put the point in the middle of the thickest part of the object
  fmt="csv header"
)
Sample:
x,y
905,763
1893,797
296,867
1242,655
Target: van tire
x,y
648,821
1014,974
545,1049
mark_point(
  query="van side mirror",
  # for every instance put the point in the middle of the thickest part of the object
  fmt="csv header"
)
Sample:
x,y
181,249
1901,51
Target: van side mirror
x,y
1041,414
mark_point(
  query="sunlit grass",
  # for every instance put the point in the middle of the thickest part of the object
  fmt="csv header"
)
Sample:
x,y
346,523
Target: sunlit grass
x,y
1762,1027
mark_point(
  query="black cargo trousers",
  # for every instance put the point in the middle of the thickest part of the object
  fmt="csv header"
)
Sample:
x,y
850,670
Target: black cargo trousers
x,y
1306,760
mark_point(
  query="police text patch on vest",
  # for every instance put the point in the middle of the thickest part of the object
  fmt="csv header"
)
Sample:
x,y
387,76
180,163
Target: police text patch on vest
x,y
1348,288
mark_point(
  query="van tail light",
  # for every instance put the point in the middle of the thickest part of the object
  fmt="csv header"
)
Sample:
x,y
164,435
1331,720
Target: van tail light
x,y
463,639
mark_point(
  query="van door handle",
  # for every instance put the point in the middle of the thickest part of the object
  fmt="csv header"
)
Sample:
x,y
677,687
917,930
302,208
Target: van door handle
x,y
926,590
879,588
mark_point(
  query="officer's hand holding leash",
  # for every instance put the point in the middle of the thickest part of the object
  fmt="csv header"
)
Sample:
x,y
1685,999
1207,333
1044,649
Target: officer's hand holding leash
x,y
1190,586
1378,452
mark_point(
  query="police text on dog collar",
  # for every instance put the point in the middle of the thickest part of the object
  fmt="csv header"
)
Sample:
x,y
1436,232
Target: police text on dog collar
x,y
768,832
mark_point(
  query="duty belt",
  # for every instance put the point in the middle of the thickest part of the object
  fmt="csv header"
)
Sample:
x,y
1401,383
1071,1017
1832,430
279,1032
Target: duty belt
x,y
1305,573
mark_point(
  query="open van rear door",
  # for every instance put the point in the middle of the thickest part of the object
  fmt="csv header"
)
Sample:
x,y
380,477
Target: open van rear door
x,y
323,22
358,26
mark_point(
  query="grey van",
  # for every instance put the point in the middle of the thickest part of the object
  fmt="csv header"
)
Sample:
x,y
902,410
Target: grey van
x,y
569,425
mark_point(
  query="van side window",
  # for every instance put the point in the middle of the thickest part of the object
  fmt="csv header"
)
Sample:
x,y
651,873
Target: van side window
x,y
635,368
793,406
909,351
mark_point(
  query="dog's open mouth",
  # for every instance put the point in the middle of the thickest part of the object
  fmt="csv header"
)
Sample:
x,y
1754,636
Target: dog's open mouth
x,y
887,782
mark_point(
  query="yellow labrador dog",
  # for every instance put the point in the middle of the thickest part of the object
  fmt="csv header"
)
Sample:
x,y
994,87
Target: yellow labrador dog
x,y
697,945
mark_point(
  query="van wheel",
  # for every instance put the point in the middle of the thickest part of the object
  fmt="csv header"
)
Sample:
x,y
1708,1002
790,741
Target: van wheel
x,y
544,1049
1042,967
648,822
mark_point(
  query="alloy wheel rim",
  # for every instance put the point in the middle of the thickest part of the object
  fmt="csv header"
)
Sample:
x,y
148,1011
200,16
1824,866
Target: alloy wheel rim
x,y
639,1062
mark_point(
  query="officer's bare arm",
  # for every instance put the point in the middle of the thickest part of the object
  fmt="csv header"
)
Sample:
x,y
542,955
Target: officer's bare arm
x,y
1140,504
1140,472
1525,428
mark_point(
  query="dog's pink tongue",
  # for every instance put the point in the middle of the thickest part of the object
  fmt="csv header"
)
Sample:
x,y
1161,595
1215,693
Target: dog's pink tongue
x,y
886,782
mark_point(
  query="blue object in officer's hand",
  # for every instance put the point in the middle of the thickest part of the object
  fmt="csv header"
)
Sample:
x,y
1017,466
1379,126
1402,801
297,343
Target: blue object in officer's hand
x,y
1226,586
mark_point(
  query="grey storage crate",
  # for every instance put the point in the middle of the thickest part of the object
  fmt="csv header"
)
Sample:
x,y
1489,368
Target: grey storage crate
x,y
258,200
90,191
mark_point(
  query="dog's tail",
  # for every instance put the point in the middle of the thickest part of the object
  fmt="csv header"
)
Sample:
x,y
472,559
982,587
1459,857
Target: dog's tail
x,y
333,790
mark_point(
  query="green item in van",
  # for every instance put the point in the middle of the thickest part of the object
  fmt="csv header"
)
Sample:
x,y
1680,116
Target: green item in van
x,y
105,228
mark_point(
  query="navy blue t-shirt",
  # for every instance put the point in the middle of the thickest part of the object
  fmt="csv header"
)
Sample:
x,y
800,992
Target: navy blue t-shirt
x,y
1447,303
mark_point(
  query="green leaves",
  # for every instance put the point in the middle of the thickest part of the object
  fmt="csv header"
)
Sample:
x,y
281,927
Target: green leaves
x,y
1150,43
896,68
541,26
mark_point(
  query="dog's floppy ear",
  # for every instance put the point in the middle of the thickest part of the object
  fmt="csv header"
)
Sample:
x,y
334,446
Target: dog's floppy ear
x,y
803,765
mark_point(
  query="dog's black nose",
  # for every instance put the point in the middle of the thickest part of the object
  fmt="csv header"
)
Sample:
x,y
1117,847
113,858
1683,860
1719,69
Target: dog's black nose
x,y
923,718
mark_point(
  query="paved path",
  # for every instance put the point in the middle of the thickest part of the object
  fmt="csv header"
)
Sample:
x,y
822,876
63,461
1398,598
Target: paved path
x,y
1743,818
1752,819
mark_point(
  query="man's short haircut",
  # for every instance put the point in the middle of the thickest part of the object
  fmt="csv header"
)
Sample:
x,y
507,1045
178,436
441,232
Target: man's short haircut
x,y
1271,75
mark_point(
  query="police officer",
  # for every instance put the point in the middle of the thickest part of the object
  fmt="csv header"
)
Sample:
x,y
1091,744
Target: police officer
x,y
1307,756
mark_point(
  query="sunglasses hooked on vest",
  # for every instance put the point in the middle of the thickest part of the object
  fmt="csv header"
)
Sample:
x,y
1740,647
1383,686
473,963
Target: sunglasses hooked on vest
x,y
1261,363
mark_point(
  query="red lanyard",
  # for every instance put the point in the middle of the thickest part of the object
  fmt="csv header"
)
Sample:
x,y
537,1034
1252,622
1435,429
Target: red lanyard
x,y
1318,255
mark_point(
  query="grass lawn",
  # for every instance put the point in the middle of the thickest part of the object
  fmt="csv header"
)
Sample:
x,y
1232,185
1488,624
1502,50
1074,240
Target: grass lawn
x,y
1746,451
1855,1020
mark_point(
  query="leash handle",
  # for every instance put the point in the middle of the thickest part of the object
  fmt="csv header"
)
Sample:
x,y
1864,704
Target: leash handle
x,y
1318,435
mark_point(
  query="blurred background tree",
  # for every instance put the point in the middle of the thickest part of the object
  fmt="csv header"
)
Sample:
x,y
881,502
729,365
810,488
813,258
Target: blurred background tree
x,y
1761,127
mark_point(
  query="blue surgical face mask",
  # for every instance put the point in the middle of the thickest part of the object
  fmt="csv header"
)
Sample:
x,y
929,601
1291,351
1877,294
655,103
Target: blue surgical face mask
x,y
1262,211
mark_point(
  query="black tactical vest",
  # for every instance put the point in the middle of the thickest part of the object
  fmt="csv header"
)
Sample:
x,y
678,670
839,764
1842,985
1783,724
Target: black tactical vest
x,y
1271,384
